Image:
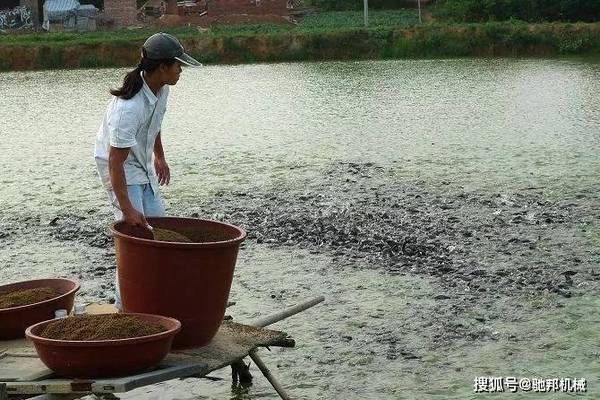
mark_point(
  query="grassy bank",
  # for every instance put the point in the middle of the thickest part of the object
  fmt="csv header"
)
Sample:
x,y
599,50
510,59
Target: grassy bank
x,y
313,23
329,36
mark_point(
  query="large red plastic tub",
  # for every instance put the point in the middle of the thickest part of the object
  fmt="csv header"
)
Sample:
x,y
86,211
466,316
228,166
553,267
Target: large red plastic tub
x,y
105,358
187,281
14,320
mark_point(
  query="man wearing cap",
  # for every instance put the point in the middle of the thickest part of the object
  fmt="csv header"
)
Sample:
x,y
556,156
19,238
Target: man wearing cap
x,y
129,153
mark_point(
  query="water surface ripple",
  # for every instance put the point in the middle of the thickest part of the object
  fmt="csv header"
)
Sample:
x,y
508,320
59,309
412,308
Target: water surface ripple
x,y
447,209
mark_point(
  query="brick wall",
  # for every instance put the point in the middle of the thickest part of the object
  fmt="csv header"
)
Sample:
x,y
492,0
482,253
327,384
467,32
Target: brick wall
x,y
224,7
122,12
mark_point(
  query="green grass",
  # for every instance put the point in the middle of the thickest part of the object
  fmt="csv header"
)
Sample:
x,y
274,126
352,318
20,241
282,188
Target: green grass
x,y
58,38
353,19
316,23
324,22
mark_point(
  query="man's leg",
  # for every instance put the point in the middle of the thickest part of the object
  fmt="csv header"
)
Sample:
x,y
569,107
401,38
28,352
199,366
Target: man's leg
x,y
135,194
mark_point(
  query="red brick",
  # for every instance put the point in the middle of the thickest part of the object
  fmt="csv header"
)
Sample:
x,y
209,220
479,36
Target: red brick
x,y
224,7
122,12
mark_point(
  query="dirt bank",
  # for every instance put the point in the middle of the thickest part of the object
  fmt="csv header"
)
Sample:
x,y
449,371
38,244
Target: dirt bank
x,y
434,40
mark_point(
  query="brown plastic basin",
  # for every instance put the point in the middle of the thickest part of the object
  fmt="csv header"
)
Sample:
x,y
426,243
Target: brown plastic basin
x,y
187,281
14,320
105,358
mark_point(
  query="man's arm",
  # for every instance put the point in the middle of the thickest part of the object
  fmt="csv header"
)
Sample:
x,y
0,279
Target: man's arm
x,y
160,164
116,158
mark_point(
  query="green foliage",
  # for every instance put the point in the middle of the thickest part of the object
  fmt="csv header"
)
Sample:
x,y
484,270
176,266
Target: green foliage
x,y
526,10
336,5
348,5
347,19
247,29
324,22
317,22
130,36
576,44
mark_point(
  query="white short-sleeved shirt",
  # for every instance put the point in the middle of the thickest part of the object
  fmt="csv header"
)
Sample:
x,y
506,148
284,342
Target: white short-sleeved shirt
x,y
132,124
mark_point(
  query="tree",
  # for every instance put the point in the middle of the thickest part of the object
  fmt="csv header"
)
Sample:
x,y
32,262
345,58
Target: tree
x,y
526,10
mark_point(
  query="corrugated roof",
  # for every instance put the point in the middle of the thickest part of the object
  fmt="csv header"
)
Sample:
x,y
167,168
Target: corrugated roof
x,y
60,5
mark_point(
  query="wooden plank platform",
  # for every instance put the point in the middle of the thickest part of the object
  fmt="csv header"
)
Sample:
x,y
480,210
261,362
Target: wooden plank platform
x,y
24,374
14,368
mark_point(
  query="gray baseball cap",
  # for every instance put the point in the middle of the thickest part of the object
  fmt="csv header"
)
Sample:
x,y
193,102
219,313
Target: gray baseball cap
x,y
162,46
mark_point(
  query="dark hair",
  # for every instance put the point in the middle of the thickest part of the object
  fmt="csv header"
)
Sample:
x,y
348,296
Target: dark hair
x,y
133,81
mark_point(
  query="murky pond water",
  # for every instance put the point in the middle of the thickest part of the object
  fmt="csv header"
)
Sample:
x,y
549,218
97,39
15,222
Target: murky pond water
x,y
447,209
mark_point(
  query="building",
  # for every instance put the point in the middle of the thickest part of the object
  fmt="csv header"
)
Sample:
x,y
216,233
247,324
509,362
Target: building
x,y
120,12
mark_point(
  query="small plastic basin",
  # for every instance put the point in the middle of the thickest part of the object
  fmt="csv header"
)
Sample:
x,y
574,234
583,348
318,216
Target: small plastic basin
x,y
105,358
14,320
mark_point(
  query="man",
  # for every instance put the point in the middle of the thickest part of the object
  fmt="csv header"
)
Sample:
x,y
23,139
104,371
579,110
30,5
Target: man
x,y
129,153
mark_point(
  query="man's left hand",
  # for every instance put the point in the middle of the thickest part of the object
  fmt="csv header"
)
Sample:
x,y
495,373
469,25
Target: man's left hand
x,y
162,171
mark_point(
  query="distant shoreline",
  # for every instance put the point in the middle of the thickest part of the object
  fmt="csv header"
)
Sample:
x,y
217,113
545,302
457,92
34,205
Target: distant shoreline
x,y
267,44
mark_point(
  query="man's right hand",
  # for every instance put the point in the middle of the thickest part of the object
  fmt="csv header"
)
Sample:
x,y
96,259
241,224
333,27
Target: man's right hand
x,y
134,217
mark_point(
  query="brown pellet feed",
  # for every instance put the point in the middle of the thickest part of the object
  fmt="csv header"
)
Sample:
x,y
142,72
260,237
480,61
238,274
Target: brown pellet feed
x,y
167,235
204,235
100,327
22,297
